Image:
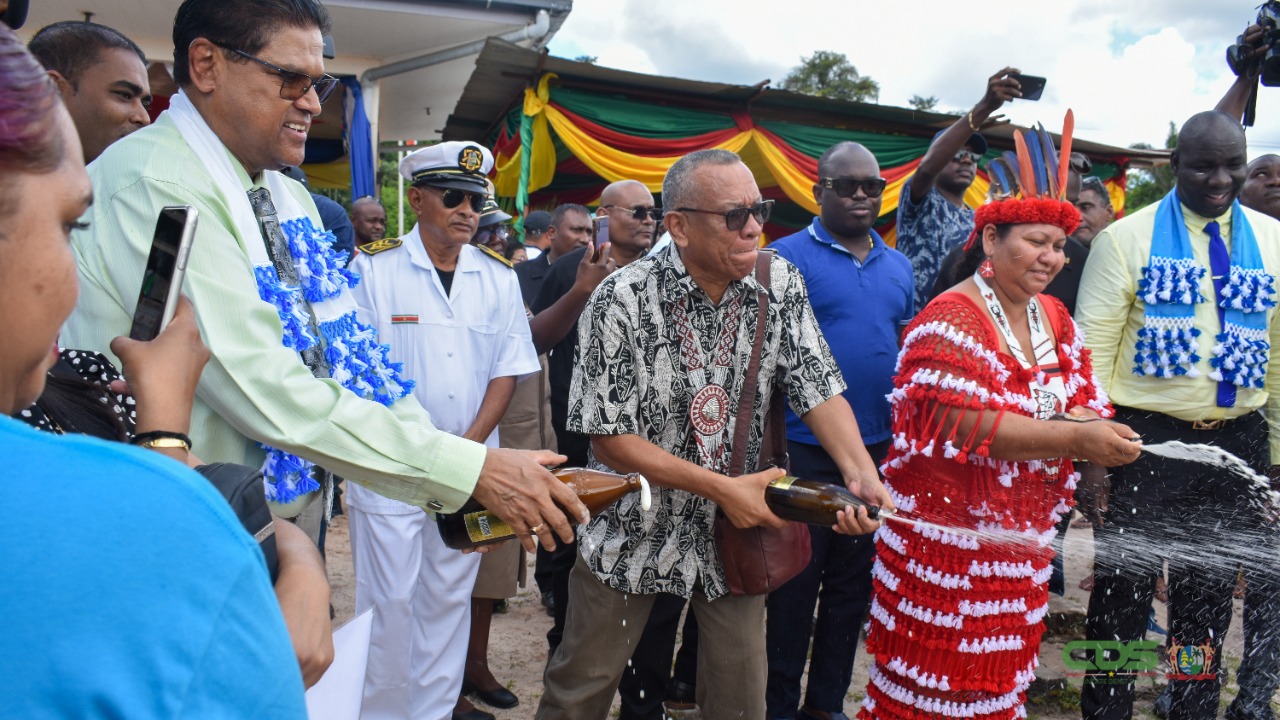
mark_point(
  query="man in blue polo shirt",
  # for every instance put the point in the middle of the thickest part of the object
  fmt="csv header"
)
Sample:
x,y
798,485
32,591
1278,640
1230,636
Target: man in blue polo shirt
x,y
861,292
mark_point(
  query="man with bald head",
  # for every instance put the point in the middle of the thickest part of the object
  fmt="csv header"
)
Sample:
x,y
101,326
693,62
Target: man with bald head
x,y
1261,189
368,219
1177,307
861,291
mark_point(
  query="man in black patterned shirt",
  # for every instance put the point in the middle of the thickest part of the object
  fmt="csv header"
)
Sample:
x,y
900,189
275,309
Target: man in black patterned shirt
x,y
663,347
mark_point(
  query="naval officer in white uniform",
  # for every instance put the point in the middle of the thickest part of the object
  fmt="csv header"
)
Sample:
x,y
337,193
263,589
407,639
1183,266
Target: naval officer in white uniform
x,y
452,313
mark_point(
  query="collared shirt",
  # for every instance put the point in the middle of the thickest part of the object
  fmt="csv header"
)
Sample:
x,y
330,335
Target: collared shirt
x,y
630,379
1110,315
861,306
452,344
253,389
927,230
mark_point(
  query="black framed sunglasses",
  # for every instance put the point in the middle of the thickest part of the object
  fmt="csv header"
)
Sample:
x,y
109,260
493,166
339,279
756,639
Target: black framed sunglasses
x,y
453,198
639,212
1094,183
736,218
293,84
969,155
846,187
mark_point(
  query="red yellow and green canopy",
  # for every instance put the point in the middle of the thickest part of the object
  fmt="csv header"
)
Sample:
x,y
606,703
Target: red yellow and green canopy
x,y
564,145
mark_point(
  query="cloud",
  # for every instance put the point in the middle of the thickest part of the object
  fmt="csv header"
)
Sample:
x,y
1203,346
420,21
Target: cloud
x,y
1126,68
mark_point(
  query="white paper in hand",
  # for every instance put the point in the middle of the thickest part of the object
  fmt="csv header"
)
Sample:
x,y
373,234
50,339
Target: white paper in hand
x,y
338,694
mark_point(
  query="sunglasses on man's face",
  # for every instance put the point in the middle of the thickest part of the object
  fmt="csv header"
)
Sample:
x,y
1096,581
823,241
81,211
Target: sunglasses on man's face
x,y
452,198
293,84
964,155
847,187
736,219
639,212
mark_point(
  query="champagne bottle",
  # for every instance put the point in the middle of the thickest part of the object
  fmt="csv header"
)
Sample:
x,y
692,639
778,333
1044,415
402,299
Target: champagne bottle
x,y
473,525
812,501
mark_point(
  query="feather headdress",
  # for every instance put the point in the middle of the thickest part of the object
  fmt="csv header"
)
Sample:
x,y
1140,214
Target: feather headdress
x,y
1029,186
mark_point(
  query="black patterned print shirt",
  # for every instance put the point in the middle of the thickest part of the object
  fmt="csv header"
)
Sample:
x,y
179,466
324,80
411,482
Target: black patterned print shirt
x,y
631,378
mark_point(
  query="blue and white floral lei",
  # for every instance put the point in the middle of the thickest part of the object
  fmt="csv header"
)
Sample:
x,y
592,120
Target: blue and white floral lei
x,y
1167,344
356,360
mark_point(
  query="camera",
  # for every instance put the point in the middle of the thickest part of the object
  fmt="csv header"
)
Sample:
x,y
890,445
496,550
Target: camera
x,y
1238,55
13,13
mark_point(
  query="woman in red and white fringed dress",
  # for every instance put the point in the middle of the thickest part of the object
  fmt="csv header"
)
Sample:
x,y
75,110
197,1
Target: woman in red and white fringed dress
x,y
956,618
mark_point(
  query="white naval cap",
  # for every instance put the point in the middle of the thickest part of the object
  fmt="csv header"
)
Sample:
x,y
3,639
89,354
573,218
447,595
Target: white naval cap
x,y
457,165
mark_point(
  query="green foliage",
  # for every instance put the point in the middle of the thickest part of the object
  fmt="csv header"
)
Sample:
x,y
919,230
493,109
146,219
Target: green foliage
x,y
388,171
923,104
830,74
1143,187
588,59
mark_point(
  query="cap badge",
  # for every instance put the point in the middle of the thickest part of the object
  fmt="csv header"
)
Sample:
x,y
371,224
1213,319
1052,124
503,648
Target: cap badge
x,y
470,159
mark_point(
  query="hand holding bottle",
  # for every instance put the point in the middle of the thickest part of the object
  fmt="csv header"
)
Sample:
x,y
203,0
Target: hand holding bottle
x,y
742,500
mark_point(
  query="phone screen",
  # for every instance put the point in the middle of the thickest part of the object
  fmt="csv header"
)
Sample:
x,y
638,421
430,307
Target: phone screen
x,y
600,230
163,274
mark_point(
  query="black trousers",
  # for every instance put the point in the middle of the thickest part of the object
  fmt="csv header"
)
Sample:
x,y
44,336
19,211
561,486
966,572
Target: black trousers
x,y
838,582
1206,522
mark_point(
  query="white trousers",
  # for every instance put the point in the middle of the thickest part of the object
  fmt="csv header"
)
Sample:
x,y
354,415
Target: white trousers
x,y
420,591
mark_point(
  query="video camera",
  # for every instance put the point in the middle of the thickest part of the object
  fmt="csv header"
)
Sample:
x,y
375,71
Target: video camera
x,y
1238,55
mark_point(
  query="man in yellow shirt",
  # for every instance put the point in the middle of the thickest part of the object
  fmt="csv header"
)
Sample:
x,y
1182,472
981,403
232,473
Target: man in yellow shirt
x,y
1177,305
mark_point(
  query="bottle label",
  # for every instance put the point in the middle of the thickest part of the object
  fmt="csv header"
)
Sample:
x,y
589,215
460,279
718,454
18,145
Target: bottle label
x,y
484,525
783,482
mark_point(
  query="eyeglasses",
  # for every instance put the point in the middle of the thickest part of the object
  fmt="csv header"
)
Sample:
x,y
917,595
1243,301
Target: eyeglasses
x,y
1095,184
736,218
1081,163
501,232
639,212
969,155
846,187
293,84
453,198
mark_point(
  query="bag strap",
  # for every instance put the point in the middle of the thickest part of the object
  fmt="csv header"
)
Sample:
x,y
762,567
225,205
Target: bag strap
x,y
747,401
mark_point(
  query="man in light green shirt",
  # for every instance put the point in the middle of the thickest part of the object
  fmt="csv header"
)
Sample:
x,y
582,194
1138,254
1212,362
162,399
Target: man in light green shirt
x,y
1199,516
259,100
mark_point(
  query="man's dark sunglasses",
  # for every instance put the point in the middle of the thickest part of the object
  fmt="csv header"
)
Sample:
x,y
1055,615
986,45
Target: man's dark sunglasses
x,y
969,155
293,84
1095,184
453,198
846,187
736,218
639,212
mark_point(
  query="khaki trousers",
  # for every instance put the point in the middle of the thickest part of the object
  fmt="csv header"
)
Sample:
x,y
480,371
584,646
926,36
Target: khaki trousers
x,y
603,627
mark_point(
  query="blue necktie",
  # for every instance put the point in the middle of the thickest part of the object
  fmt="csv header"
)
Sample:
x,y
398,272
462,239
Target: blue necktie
x,y
1220,266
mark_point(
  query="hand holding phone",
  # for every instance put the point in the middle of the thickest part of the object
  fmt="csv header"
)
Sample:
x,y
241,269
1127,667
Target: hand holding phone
x,y
599,230
165,270
1032,86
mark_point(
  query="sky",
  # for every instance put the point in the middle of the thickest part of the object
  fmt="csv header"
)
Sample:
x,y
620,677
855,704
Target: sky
x,y
1126,67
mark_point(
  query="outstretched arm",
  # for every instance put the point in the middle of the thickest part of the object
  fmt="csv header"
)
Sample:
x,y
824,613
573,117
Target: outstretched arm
x,y
1000,89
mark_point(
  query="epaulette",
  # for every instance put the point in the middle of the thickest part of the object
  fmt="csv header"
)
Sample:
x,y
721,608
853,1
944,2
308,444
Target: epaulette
x,y
383,245
491,253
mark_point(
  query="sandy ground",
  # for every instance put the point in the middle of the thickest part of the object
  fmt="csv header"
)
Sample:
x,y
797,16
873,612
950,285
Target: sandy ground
x,y
518,641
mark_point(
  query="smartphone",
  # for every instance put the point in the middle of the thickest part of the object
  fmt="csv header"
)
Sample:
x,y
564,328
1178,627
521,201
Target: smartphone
x,y
1032,86
166,267
600,230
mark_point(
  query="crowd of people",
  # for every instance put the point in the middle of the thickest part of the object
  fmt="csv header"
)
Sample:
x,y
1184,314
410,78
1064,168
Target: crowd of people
x,y
973,383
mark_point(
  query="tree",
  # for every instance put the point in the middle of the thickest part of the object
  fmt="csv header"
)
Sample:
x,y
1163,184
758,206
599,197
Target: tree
x,y
923,104
830,74
588,59
1143,187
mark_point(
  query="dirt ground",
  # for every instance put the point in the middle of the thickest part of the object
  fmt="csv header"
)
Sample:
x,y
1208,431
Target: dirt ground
x,y
517,645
